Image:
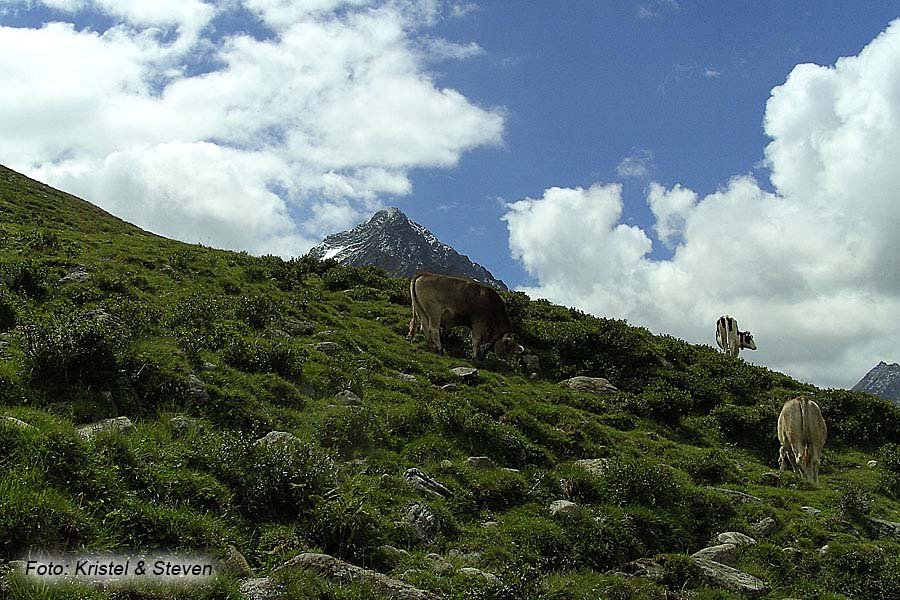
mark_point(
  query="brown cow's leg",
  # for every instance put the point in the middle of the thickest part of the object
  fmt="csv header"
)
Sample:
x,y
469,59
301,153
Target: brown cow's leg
x,y
786,460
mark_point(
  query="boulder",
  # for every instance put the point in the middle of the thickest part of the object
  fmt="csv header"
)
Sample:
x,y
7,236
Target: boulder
x,y
811,510
733,537
419,480
594,466
328,348
721,553
76,275
592,385
646,568
765,526
17,423
728,578
466,374
474,573
293,326
343,573
425,524
261,588
347,398
563,508
884,529
197,389
439,564
277,438
235,564
180,424
120,424
390,556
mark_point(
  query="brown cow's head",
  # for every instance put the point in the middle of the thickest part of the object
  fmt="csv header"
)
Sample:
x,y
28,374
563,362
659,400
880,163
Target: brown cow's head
x,y
507,345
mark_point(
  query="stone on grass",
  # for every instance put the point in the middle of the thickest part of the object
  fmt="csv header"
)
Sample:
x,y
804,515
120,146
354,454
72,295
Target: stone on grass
x,y
344,573
466,374
235,564
739,496
594,466
76,275
474,573
419,480
277,438
347,398
736,538
563,508
592,385
390,556
197,390
811,510
406,377
438,563
872,464
424,523
328,347
728,578
119,424
765,526
721,553
261,588
884,529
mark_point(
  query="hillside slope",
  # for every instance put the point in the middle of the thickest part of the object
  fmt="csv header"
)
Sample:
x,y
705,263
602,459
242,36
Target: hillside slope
x,y
208,351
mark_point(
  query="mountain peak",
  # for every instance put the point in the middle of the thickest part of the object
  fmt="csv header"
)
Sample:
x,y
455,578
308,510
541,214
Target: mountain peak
x,y
400,246
882,381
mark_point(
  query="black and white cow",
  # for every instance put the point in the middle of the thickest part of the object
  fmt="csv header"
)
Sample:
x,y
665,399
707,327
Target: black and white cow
x,y
730,339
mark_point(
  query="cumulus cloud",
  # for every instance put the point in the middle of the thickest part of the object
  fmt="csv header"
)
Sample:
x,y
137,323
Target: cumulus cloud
x,y
274,143
810,269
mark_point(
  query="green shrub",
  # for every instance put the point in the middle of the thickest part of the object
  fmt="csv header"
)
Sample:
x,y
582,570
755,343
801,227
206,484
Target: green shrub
x,y
349,429
259,355
76,350
858,419
751,427
343,523
7,312
258,310
26,279
889,476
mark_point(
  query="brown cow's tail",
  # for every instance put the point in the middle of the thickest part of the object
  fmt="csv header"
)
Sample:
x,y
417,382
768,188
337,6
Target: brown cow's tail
x,y
413,323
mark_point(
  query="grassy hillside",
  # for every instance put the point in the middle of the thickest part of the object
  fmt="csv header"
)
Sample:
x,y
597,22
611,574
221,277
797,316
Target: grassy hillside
x,y
207,351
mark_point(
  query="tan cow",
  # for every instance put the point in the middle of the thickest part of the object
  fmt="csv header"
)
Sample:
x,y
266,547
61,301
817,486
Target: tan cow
x,y
802,433
438,300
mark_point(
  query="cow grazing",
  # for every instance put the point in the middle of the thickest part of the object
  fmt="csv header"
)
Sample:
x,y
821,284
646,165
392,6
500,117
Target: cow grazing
x,y
730,339
438,300
802,433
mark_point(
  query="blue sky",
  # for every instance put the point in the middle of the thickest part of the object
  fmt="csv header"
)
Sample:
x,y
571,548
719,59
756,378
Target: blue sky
x,y
588,86
660,161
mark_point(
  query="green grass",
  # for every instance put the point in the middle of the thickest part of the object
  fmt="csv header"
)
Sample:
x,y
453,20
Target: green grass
x,y
156,316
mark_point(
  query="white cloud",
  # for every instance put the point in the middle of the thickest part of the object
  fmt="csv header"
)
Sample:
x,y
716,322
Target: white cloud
x,y
811,269
636,165
323,119
656,8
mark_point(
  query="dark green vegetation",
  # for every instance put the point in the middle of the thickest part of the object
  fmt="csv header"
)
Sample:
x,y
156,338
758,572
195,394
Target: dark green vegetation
x,y
227,340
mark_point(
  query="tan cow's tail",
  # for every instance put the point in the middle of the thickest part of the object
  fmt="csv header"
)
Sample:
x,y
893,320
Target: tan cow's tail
x,y
414,322
803,404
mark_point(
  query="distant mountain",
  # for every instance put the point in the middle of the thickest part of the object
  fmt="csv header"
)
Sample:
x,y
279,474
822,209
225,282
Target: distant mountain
x,y
392,241
882,381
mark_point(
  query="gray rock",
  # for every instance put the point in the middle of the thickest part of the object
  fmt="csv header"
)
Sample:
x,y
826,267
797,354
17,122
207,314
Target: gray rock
x,y
563,508
343,573
449,387
885,529
765,526
592,385
792,551
294,327
733,537
347,398
721,553
180,424
474,573
872,464
390,556
419,480
811,510
328,348
197,389
277,438
646,568
406,377
120,424
76,275
466,374
489,524
728,578
235,564
261,588
425,524
17,423
594,466
531,362
438,563
480,462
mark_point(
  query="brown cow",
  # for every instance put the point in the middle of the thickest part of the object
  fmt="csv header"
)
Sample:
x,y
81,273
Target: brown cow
x,y
802,433
438,300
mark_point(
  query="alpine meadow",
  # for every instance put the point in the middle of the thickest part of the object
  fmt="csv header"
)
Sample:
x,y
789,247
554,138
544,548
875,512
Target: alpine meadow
x,y
269,413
